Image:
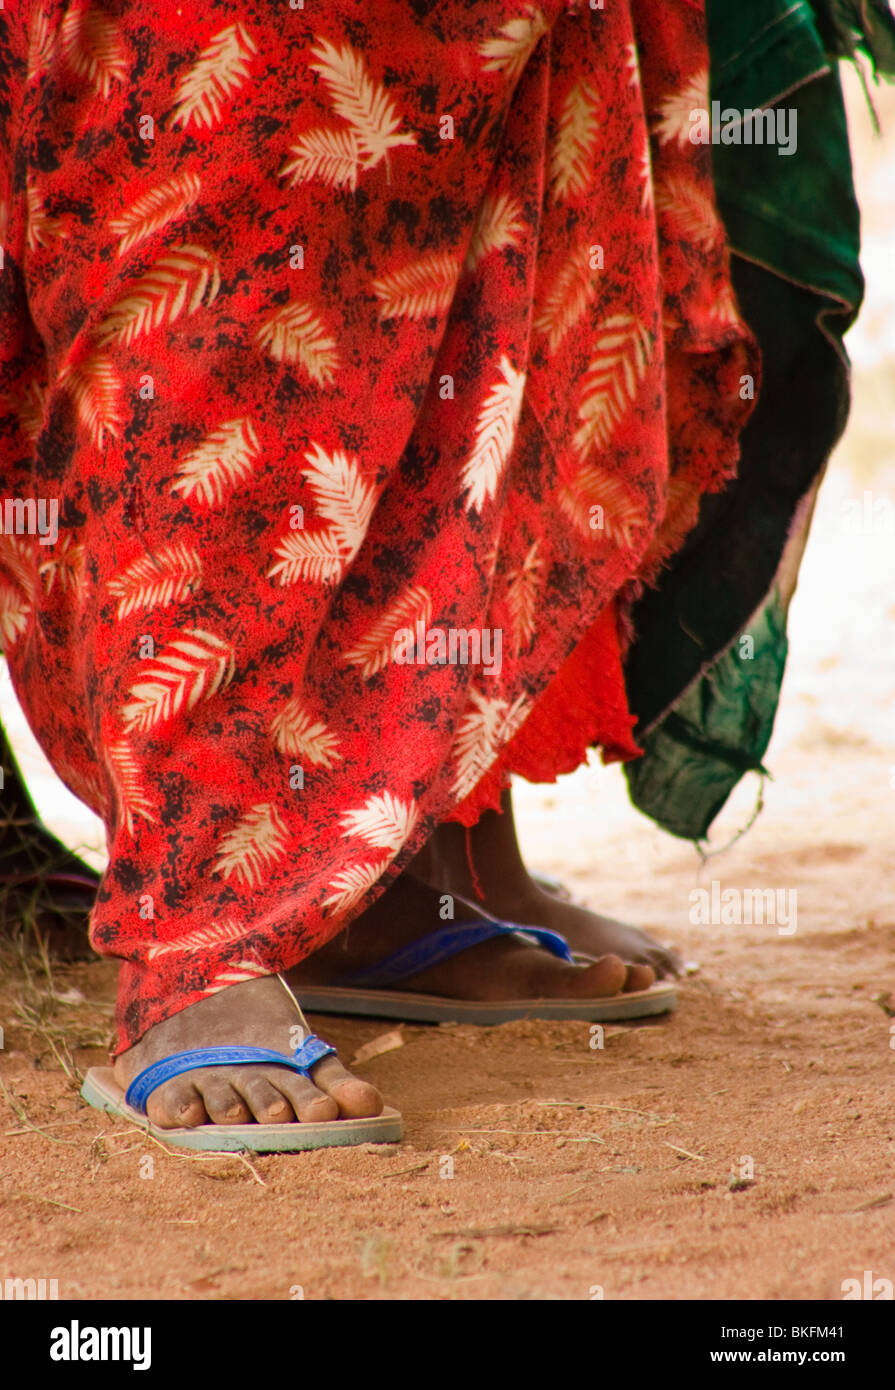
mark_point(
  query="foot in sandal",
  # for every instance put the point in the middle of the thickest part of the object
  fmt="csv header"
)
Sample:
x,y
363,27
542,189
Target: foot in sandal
x,y
402,959
485,865
256,1014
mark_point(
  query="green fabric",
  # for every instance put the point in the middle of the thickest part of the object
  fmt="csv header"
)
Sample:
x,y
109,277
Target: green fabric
x,y
705,715
796,214
848,27
716,733
760,51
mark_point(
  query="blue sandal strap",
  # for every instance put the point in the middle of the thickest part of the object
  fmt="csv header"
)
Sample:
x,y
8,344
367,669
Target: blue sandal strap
x,y
146,1081
441,945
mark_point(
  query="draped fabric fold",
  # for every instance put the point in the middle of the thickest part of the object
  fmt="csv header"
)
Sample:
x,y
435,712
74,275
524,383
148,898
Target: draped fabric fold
x,y
375,359
705,714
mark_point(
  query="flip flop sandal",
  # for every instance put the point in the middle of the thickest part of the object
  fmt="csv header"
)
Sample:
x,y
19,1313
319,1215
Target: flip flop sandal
x,y
368,994
101,1090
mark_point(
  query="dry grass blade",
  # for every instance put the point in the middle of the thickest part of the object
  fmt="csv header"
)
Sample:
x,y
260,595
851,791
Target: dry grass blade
x,y
190,1156
65,1060
51,1201
376,1047
50,1124
252,1169
482,1232
557,1201
881,1201
404,1172
624,1109
18,1111
456,1129
685,1152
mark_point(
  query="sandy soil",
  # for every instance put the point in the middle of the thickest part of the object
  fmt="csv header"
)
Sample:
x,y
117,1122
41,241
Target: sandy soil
x,y
743,1149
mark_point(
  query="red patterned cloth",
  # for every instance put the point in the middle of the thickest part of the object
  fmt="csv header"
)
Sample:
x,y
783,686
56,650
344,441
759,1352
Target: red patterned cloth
x,y
322,324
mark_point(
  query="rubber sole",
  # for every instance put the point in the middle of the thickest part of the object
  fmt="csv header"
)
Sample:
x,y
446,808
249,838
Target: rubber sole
x,y
429,1008
102,1091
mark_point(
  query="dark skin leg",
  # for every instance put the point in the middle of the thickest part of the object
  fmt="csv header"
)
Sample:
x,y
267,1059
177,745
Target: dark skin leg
x,y
505,968
61,911
258,1013
509,891
502,886
262,1013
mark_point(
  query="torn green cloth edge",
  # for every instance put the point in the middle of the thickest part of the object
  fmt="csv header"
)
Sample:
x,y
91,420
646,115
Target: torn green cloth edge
x,y
705,716
693,761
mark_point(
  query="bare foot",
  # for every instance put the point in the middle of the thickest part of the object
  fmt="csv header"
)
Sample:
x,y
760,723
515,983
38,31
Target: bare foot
x,y
502,968
257,1013
499,883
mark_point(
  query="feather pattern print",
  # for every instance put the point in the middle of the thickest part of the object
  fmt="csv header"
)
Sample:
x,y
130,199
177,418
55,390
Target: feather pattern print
x,y
150,213
30,408
499,223
361,101
14,611
689,210
511,48
256,841
18,557
495,434
384,821
221,69
331,156
41,227
315,556
374,650
419,288
342,496
296,333
223,933
238,974
192,667
93,48
487,724
352,884
523,587
574,288
344,499
622,352
127,777
97,392
673,122
170,575
41,43
178,282
297,734
67,564
572,153
600,504
223,460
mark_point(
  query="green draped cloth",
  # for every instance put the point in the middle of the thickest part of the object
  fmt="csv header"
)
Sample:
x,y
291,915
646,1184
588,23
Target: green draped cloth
x,y
705,669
